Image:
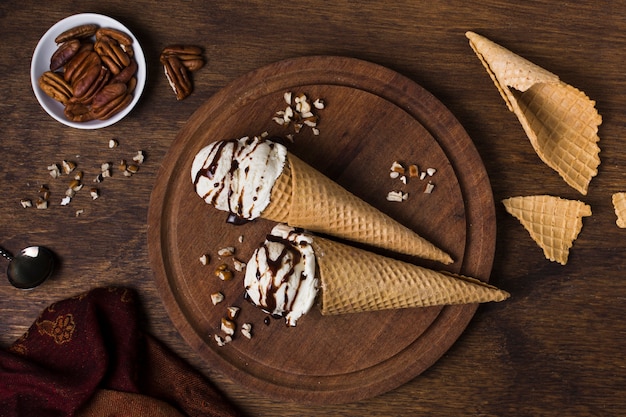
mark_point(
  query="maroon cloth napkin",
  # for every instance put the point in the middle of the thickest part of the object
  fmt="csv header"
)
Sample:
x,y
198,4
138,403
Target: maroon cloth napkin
x,y
87,356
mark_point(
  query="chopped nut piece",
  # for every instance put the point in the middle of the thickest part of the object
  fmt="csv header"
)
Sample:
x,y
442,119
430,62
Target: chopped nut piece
x,y
403,179
287,97
79,212
204,259
228,327
319,104
222,341
223,273
122,165
105,167
98,178
75,185
413,171
397,167
78,175
68,166
397,196
54,170
238,265
66,200
394,174
431,171
127,173
429,188
240,239
26,203
315,131
41,204
139,157
232,312
422,175
113,143
227,251
132,168
95,193
217,297
106,173
246,330
70,193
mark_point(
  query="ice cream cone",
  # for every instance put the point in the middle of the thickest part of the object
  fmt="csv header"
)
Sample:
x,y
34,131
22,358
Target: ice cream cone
x,y
354,280
303,197
619,204
553,222
560,120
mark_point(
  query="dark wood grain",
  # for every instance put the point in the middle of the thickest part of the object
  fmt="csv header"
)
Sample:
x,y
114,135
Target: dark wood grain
x,y
555,346
368,123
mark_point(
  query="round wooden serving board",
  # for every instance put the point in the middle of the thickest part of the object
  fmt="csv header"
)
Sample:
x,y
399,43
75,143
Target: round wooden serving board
x,y
373,117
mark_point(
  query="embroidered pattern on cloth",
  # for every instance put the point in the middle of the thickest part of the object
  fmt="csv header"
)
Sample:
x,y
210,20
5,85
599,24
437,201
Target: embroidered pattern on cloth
x,y
61,330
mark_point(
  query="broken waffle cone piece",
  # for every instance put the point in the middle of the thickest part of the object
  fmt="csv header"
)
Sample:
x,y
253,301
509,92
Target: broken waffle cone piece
x,y
553,222
619,204
354,280
560,120
303,197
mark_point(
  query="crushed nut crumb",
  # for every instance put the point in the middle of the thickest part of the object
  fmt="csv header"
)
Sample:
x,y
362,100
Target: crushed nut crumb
x,y
204,259
232,312
26,203
227,251
397,196
429,188
238,265
246,330
217,297
222,341
113,143
228,326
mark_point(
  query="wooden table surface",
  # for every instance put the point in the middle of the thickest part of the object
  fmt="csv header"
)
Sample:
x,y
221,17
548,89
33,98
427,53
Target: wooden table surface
x,y
555,347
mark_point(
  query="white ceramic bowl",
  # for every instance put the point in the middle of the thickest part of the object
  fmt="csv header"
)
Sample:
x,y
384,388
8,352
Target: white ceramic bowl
x,y
41,63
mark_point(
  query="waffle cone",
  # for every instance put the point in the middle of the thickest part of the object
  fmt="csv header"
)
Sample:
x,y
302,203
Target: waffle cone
x,y
619,204
560,120
553,222
354,280
303,197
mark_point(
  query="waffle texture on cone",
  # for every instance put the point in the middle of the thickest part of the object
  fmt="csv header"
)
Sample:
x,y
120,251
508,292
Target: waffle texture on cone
x,y
354,280
560,121
619,204
321,205
280,198
553,222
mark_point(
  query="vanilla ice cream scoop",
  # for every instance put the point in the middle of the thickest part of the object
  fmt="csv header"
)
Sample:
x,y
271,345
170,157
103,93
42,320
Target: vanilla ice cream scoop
x,y
237,175
280,275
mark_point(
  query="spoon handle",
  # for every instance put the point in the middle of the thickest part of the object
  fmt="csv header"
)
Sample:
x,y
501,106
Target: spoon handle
x,y
6,254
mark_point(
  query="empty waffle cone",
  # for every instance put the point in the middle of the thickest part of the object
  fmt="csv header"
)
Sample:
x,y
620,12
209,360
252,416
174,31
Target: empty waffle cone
x,y
553,222
303,197
354,280
560,120
619,204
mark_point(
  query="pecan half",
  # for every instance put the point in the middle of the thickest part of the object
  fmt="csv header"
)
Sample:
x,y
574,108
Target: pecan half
x,y
190,56
113,107
177,76
107,94
89,85
78,65
107,47
121,37
126,74
63,54
55,86
77,32
78,112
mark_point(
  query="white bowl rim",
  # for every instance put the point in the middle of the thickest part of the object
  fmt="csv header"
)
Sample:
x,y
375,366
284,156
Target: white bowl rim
x,y
47,40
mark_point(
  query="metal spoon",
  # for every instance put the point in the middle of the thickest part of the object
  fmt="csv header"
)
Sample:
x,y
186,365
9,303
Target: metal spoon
x,y
30,267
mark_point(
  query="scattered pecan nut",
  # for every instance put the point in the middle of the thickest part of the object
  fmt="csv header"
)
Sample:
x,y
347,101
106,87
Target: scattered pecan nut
x,y
177,76
178,62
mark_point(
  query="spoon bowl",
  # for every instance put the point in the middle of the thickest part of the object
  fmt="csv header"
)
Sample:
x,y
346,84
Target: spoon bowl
x,y
31,267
